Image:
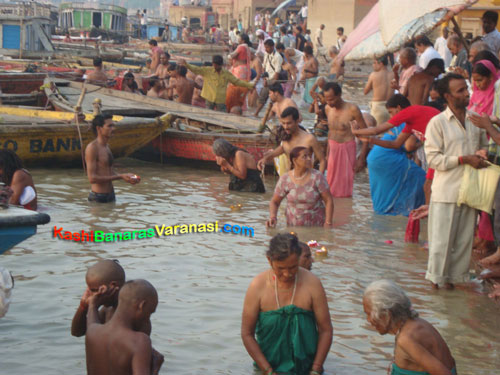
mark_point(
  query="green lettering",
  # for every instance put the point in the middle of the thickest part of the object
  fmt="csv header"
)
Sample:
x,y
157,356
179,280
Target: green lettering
x,y
98,236
127,236
109,237
118,236
142,234
151,232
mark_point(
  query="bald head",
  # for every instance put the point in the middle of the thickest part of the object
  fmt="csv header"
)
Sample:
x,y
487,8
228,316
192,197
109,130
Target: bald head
x,y
105,272
321,81
136,291
408,57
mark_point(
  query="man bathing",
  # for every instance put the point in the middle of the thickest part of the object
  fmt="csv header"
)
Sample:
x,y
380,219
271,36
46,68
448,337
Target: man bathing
x,y
117,347
99,161
342,162
380,82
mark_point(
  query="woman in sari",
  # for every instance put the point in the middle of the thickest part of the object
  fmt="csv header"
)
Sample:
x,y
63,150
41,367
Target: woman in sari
x,y
484,77
241,57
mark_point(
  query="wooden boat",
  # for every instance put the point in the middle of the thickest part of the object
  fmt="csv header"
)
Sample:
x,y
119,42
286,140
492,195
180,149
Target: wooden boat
x,y
88,51
18,224
50,138
21,83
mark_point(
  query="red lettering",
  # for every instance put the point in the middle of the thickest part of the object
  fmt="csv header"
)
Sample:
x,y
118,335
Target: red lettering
x,y
85,236
91,236
76,236
68,236
57,232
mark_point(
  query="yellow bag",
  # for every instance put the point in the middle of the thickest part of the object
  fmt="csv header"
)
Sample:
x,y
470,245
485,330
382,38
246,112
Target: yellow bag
x,y
478,187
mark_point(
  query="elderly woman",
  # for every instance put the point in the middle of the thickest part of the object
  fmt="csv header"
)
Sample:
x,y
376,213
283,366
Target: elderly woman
x,y
240,164
420,349
306,191
18,179
286,326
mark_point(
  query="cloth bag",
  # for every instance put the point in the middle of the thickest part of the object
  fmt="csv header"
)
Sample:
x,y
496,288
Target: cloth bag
x,y
478,187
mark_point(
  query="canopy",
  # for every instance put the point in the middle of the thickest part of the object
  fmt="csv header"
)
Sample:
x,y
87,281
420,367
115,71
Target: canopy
x,y
283,5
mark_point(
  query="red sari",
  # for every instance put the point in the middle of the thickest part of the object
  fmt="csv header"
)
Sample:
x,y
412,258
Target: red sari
x,y
235,96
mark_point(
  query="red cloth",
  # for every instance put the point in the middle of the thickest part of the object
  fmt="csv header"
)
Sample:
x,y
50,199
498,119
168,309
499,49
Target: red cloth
x,y
340,171
430,174
484,229
416,118
412,229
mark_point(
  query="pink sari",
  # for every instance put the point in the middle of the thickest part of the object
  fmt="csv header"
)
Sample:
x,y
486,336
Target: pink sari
x,y
235,96
481,102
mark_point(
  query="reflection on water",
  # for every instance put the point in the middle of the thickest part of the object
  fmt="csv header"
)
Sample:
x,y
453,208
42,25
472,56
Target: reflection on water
x,y
202,278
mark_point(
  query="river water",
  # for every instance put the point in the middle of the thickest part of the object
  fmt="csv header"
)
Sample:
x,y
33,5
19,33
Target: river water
x,y
202,278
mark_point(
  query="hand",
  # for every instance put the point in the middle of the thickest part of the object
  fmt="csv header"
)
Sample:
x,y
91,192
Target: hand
x,y
395,68
420,213
261,164
360,165
364,138
156,362
460,71
104,293
84,301
394,84
482,122
475,161
354,126
495,293
271,222
131,178
482,153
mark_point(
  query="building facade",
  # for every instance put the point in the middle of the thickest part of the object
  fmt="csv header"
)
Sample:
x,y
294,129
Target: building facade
x,y
85,16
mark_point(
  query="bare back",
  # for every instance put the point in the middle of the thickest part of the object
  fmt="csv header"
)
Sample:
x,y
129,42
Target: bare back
x,y
381,83
97,77
419,86
184,88
99,160
278,108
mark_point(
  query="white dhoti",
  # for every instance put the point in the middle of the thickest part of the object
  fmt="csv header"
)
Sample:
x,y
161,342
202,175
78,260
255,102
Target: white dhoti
x,y
451,233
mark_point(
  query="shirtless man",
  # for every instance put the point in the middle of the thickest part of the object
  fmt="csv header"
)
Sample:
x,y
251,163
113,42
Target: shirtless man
x,y
293,137
310,72
380,82
129,84
256,64
337,65
419,85
99,161
156,89
117,347
341,149
162,69
98,76
156,53
183,87
280,103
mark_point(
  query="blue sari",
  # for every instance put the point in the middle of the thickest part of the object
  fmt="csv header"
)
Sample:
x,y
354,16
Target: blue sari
x,y
396,182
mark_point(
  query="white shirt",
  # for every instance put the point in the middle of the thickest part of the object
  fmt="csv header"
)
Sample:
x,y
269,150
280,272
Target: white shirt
x,y
144,19
493,40
233,37
319,36
303,11
445,140
441,46
429,54
272,63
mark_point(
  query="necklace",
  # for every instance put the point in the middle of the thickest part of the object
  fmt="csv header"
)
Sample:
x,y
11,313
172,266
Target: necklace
x,y
301,177
276,290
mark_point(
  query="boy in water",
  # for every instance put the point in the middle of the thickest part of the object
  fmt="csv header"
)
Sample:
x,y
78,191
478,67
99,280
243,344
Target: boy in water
x,y
117,347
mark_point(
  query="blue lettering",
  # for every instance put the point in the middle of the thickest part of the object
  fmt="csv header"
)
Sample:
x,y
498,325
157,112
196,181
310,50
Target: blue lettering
x,y
35,145
61,143
14,145
49,146
236,229
75,144
227,228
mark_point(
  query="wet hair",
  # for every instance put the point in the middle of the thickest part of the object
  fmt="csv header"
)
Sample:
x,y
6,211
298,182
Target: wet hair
x,y
397,100
303,246
269,42
277,87
481,69
294,154
166,54
171,67
290,111
282,246
218,60
487,55
443,85
244,37
337,90
439,104
438,63
224,149
387,298
128,75
98,121
490,15
384,60
280,46
10,163
308,50
181,70
423,40
153,42
97,62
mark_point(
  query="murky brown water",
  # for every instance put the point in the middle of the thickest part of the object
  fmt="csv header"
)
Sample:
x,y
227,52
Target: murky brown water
x,y
202,278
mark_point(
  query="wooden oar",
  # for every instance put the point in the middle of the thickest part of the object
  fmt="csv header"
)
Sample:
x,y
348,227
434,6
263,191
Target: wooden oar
x,y
262,126
78,111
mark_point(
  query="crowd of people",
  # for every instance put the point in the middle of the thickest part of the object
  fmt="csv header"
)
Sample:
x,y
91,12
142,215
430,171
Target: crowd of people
x,y
437,112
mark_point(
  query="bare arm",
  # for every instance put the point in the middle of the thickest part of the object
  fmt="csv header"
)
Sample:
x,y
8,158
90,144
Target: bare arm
x,y
19,181
369,85
396,144
143,354
239,167
324,323
79,322
251,309
319,154
91,161
328,199
269,155
379,129
361,161
422,356
274,204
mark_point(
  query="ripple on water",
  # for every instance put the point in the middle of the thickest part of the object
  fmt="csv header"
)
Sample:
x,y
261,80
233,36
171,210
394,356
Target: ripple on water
x,y
202,278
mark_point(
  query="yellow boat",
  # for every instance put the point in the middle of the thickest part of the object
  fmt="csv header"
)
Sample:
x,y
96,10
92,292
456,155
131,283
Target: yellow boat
x,y
51,139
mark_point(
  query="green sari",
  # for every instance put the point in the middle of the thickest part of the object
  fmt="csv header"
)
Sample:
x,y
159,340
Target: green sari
x,y
288,337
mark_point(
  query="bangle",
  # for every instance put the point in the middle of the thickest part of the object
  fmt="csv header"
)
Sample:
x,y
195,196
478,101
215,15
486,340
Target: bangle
x,y
460,160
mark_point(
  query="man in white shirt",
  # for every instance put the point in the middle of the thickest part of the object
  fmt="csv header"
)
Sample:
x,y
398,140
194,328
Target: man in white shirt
x,y
441,46
233,38
272,66
341,38
451,141
491,34
303,12
144,24
318,41
426,51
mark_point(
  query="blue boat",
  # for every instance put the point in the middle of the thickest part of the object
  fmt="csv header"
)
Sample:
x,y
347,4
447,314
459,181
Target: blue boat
x,y
17,224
